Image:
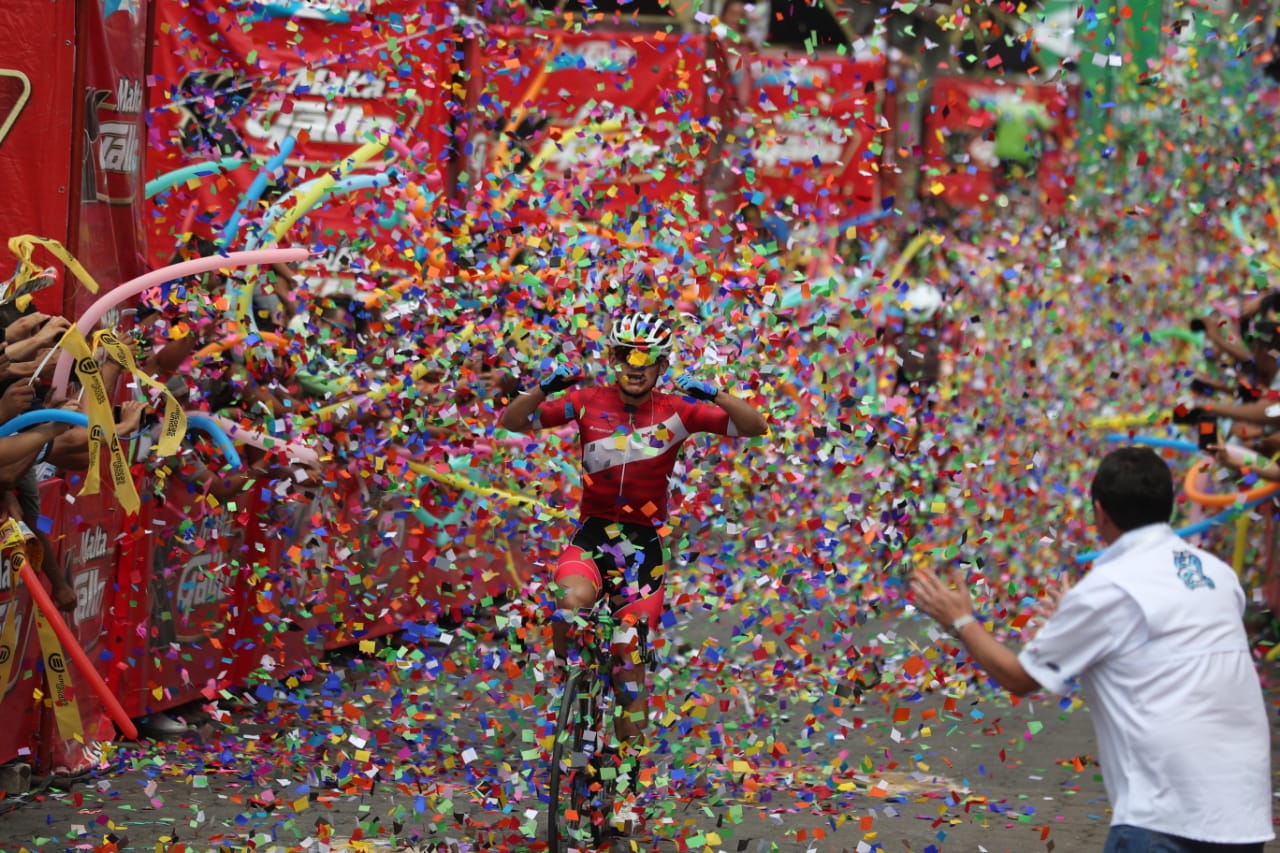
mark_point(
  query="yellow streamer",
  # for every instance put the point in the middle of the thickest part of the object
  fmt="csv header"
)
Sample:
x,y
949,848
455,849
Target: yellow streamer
x,y
174,427
523,103
24,244
913,248
501,494
1126,420
66,712
1242,543
102,426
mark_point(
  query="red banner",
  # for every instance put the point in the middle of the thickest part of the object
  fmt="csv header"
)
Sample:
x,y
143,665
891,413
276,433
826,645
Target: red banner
x,y
273,631
84,551
611,121
959,131
230,83
37,75
196,592
107,192
817,122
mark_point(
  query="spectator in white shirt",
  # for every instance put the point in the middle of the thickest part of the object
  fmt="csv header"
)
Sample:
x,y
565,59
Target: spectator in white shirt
x,y
1155,634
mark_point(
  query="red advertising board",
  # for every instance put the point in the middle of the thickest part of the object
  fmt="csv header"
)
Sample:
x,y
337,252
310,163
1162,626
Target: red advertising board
x,y
959,128
37,82
272,635
350,561
236,81
106,198
817,124
615,122
196,596
83,535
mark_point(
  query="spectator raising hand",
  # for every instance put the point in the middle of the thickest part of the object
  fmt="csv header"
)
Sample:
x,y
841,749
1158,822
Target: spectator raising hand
x,y
42,339
17,399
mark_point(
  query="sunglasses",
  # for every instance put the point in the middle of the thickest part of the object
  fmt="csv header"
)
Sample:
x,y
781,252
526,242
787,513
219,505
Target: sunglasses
x,y
636,356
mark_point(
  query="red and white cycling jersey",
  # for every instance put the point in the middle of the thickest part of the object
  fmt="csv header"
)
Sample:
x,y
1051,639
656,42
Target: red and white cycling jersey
x,y
628,454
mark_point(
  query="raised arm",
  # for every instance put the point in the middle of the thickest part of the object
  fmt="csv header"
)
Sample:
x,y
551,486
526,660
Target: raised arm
x,y
518,415
746,419
952,607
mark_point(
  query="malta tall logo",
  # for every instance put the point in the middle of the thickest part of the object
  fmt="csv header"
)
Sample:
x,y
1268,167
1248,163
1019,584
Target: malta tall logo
x,y
112,143
15,92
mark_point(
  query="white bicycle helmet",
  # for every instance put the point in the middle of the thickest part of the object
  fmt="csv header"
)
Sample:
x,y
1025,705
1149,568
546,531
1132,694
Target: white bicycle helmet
x,y
644,331
921,303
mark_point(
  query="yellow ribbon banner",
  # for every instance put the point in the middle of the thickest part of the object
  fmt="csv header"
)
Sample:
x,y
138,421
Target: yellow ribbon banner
x,y
15,539
9,633
10,545
66,713
102,426
174,427
24,244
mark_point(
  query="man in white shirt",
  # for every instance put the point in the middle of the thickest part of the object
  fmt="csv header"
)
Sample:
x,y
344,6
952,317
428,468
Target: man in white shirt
x,y
1155,634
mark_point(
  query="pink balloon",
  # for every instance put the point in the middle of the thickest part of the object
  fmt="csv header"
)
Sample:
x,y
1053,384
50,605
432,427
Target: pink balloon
x,y
94,313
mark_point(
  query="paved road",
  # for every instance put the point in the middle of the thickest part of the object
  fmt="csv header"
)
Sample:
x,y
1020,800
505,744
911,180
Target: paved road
x,y
439,751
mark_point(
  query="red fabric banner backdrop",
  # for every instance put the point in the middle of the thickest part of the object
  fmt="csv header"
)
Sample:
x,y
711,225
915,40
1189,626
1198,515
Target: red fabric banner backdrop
x,y
71,81
818,121
108,237
602,124
37,79
958,136
233,85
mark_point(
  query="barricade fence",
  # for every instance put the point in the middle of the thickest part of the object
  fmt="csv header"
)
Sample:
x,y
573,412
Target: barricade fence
x,y
193,596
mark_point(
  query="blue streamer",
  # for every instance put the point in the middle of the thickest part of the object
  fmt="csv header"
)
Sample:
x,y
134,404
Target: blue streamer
x,y
78,419
298,9
1228,514
207,425
169,180
35,417
256,189
1154,441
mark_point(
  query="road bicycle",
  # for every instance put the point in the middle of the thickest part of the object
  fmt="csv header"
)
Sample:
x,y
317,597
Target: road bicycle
x,y
583,771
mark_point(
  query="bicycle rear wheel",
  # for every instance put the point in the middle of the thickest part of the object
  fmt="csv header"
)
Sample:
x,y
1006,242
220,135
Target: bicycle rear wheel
x,y
577,799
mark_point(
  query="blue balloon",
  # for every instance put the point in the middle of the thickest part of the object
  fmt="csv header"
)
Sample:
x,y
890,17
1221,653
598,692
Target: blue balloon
x,y
78,419
256,190
207,425
1154,441
35,417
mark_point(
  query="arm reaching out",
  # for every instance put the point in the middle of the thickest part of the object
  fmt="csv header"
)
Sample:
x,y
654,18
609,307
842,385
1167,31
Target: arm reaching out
x,y
518,415
746,419
949,604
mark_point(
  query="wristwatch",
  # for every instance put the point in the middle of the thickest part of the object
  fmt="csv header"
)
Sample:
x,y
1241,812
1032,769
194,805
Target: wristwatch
x,y
961,622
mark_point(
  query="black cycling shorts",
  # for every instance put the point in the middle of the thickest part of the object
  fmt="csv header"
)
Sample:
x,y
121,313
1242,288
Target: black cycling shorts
x,y
626,562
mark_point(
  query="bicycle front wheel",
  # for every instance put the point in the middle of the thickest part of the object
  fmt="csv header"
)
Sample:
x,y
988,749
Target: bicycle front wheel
x,y
577,798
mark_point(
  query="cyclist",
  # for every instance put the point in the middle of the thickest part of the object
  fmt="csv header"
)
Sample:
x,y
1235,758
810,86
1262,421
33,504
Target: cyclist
x,y
914,338
631,436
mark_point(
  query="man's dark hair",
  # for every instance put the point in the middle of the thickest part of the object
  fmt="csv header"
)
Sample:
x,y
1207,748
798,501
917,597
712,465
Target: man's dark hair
x,y
1135,488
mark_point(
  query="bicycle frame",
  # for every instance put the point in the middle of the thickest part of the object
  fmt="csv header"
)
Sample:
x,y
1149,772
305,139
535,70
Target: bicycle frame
x,y
579,795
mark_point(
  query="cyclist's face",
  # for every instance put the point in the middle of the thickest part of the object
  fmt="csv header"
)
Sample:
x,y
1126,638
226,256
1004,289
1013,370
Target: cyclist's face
x,y
638,370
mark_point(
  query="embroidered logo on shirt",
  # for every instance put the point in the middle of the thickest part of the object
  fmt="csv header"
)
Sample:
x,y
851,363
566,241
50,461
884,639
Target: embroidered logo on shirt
x,y
1191,571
